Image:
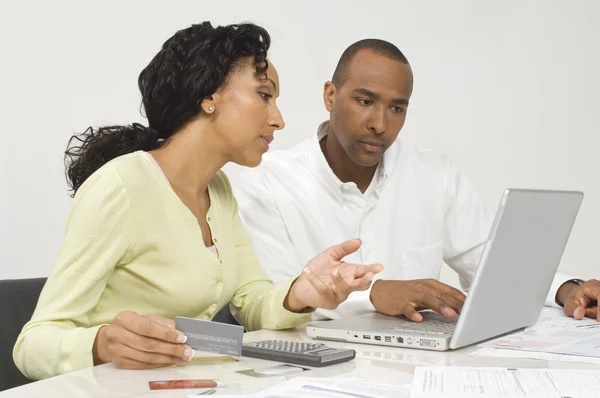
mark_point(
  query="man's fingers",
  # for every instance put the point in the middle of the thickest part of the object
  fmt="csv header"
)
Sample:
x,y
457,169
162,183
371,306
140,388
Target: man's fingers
x,y
453,297
576,302
411,313
579,313
457,294
432,302
583,306
592,312
340,251
570,307
451,300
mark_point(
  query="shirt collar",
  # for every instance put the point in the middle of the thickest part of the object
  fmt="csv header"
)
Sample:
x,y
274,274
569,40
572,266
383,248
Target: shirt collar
x,y
327,177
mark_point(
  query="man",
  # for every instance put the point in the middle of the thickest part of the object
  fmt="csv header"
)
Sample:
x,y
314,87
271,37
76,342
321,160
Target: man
x,y
411,208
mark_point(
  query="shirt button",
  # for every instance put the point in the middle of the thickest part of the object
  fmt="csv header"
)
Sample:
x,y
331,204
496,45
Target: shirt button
x,y
207,218
215,240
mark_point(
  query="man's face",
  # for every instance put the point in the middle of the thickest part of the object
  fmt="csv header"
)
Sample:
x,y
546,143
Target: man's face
x,y
369,109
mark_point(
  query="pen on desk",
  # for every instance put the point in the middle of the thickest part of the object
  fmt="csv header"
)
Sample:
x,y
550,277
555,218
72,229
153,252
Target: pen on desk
x,y
588,325
207,392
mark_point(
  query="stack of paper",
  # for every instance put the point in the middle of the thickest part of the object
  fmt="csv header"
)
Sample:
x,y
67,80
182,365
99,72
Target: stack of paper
x,y
555,337
544,356
308,387
458,382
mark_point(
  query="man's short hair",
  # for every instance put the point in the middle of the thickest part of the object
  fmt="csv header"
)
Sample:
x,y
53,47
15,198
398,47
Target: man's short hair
x,y
377,46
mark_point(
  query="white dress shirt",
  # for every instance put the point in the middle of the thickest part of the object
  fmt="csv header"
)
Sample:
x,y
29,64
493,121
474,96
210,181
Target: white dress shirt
x,y
418,212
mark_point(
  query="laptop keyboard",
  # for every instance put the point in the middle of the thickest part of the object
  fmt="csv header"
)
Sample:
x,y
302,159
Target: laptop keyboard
x,y
428,326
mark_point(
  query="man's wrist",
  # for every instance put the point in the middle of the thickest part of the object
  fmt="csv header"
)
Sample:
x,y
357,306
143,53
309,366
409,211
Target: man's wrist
x,y
565,290
376,289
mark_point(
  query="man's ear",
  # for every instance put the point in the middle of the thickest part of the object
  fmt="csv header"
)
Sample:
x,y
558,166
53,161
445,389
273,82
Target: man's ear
x,y
329,91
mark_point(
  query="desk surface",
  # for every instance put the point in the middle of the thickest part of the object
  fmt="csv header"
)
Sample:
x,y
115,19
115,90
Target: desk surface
x,y
389,365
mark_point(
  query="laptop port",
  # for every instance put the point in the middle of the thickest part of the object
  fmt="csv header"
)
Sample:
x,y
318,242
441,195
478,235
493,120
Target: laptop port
x,y
400,340
378,338
366,337
388,339
427,343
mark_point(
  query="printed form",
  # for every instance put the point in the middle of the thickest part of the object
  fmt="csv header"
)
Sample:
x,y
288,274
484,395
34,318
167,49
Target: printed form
x,y
463,382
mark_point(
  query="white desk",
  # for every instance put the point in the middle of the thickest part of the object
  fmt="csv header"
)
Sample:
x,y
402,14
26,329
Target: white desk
x,y
390,365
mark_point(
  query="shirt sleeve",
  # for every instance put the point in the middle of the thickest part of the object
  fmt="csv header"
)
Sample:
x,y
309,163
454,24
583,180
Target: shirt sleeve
x,y
270,238
256,303
58,338
468,221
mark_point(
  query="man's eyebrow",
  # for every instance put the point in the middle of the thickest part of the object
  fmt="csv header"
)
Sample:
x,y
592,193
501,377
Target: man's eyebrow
x,y
368,93
375,96
400,101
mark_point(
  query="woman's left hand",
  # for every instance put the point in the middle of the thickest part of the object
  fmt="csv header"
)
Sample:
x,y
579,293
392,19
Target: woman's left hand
x,y
327,280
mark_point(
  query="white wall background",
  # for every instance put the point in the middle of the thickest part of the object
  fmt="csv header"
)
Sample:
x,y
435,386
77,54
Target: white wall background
x,y
508,89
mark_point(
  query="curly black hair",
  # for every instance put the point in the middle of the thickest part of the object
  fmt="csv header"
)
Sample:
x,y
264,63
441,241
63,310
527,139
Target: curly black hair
x,y
190,67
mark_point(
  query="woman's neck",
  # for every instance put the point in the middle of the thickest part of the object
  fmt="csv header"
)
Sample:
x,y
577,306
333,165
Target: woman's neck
x,y
190,159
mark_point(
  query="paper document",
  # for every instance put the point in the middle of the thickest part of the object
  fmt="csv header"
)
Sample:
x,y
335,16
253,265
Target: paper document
x,y
545,356
555,333
462,382
551,312
340,388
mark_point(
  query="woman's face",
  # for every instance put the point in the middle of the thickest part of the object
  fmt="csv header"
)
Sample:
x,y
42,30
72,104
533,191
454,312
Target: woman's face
x,y
246,115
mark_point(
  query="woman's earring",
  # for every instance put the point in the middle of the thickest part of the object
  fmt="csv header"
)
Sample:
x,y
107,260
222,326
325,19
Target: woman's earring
x,y
211,109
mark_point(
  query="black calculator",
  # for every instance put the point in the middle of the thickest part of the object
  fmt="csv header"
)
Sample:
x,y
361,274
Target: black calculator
x,y
306,354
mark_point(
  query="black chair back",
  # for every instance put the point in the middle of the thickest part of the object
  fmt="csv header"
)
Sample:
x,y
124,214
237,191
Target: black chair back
x,y
18,298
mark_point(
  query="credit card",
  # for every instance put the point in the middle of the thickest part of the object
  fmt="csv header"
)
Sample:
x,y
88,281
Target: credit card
x,y
213,337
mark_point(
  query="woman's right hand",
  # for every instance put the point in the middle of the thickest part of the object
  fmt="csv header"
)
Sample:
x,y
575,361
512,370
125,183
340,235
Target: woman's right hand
x,y
134,341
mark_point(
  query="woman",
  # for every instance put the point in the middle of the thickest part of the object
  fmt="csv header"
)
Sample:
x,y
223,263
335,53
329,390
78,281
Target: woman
x,y
154,231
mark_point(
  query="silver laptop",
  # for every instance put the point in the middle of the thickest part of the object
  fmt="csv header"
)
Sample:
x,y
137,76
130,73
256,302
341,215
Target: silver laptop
x,y
516,269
